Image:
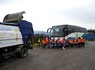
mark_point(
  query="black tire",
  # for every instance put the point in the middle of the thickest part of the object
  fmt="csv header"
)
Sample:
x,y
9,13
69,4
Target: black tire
x,y
23,52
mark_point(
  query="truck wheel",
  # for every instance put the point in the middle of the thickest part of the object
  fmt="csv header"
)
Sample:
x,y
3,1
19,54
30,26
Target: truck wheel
x,y
23,52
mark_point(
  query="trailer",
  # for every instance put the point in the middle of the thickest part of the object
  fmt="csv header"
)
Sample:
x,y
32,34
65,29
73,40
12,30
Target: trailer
x,y
16,35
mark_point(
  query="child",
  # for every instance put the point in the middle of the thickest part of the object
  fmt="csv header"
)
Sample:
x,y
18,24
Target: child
x,y
63,43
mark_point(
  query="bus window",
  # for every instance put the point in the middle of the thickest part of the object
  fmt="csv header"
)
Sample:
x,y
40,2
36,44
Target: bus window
x,y
70,30
57,32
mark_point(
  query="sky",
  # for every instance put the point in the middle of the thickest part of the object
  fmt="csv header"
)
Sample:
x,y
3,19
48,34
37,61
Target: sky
x,y
44,14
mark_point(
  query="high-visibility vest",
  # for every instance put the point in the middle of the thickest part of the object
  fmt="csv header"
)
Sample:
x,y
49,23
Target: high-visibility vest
x,y
82,40
39,40
44,41
79,40
63,41
70,41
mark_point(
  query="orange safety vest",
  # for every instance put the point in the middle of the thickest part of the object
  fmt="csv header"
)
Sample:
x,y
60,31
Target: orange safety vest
x,y
82,40
70,41
43,41
79,40
63,41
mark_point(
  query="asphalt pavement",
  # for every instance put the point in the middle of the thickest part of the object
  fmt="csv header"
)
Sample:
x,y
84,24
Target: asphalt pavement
x,y
54,59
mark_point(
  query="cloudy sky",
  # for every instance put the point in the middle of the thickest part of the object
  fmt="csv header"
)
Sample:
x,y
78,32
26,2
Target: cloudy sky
x,y
46,13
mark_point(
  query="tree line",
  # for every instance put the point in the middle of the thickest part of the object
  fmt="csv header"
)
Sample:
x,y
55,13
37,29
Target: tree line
x,y
91,30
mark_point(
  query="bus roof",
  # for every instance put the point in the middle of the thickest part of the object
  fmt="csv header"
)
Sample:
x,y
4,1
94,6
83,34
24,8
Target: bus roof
x,y
67,25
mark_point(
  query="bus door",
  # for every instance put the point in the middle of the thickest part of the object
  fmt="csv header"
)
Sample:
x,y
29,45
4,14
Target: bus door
x,y
65,31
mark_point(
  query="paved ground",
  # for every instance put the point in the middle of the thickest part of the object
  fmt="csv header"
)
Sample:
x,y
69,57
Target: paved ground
x,y
54,59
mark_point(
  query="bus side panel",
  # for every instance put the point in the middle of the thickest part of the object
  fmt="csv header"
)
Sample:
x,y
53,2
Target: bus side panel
x,y
74,36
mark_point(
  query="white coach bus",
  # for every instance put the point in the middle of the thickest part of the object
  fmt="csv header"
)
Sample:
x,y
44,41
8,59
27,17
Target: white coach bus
x,y
66,31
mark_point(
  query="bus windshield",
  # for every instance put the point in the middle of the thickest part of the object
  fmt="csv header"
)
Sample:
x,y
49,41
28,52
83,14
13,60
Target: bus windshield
x,y
57,32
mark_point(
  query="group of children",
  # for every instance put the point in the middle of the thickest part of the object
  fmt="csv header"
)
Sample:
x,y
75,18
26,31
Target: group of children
x,y
80,42
52,43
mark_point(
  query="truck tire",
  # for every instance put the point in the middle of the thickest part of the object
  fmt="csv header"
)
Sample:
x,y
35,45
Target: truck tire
x,y
23,52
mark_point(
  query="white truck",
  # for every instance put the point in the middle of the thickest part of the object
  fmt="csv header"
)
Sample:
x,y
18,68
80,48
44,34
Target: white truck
x,y
15,35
